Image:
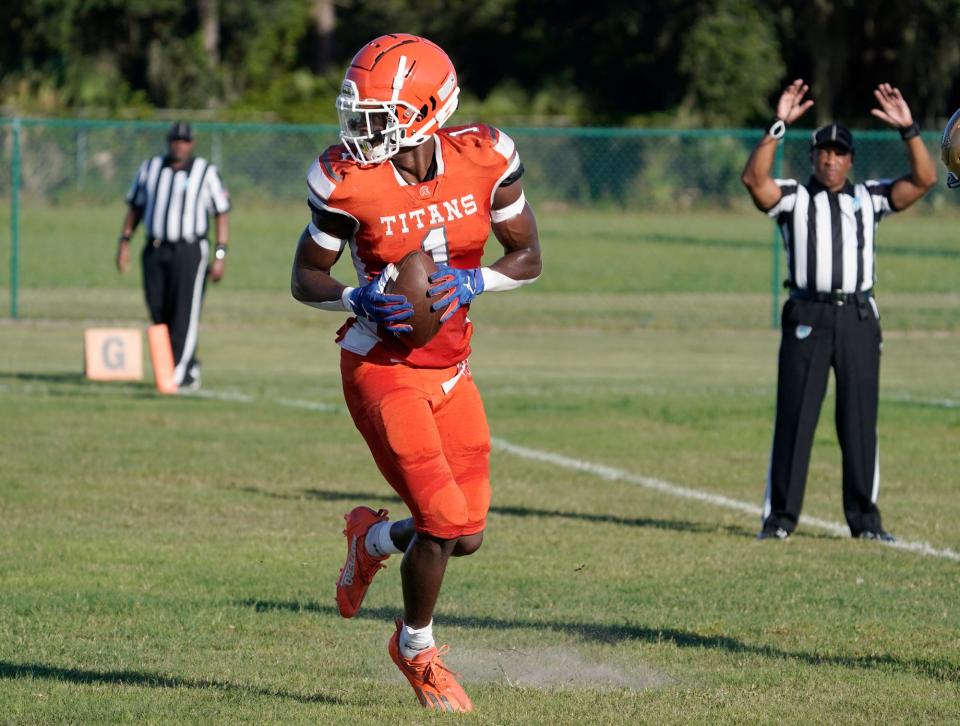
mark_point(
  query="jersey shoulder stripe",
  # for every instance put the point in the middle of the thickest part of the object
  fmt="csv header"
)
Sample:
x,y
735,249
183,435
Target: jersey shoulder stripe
x,y
319,186
325,182
325,174
487,144
479,136
505,146
331,173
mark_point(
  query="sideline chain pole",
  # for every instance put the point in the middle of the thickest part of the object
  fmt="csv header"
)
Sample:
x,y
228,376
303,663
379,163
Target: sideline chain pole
x,y
15,219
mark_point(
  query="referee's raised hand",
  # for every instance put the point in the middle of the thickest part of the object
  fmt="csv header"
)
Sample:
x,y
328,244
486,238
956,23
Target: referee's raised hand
x,y
791,105
893,108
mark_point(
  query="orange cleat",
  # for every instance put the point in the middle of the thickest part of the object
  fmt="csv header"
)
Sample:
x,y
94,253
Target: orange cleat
x,y
360,567
435,685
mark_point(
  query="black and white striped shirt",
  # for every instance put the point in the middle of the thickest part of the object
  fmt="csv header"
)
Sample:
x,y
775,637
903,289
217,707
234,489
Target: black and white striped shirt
x,y
176,204
829,236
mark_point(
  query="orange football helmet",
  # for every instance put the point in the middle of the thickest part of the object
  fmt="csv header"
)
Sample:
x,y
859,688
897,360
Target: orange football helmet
x,y
950,150
398,90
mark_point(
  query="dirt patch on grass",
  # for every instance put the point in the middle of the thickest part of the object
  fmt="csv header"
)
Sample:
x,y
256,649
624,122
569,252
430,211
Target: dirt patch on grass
x,y
551,667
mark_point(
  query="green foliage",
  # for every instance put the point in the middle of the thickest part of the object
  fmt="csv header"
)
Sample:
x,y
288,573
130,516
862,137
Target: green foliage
x,y
261,41
179,74
670,63
297,97
509,103
732,59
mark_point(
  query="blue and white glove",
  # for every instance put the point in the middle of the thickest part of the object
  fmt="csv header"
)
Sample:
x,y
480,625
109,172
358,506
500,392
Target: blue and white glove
x,y
371,302
457,286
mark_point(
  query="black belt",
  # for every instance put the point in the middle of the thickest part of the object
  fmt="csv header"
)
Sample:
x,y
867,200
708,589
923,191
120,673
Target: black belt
x,y
158,242
834,297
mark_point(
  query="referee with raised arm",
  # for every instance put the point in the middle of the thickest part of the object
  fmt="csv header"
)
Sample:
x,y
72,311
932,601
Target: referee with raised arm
x,y
830,318
174,195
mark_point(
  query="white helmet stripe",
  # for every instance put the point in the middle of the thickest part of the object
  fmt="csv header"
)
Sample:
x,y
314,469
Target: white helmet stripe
x,y
399,78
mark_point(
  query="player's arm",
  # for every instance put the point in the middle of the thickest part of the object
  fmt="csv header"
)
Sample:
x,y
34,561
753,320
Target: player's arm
x,y
756,174
923,174
515,227
318,250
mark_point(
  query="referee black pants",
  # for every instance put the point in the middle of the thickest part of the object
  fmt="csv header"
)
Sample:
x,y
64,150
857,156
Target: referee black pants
x,y
174,279
815,337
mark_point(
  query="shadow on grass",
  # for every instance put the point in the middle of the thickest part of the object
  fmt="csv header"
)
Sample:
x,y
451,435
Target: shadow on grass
x,y
76,383
151,680
384,497
507,511
712,242
670,524
691,241
30,377
939,670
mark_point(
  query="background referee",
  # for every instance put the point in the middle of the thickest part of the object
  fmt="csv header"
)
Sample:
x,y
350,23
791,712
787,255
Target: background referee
x,y
174,196
830,319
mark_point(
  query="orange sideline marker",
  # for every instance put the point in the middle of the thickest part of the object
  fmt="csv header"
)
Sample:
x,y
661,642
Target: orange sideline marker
x,y
161,356
113,354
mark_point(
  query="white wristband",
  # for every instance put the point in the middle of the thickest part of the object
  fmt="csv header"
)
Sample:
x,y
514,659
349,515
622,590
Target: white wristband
x,y
494,281
337,306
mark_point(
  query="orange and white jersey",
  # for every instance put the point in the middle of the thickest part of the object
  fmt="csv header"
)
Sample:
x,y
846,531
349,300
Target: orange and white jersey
x,y
447,216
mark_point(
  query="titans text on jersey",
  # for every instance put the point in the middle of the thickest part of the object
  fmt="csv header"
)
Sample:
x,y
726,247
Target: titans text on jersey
x,y
452,209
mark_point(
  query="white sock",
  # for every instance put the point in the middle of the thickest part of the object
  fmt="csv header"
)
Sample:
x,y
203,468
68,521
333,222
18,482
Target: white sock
x,y
414,641
378,542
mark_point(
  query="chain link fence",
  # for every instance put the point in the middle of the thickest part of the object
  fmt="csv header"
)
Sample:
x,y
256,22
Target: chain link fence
x,y
55,170
632,169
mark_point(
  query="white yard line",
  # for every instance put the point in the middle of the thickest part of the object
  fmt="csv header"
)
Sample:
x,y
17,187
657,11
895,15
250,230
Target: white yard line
x,y
664,487
933,402
608,473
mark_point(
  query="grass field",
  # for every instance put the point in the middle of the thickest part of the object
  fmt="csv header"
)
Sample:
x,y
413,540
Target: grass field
x,y
172,560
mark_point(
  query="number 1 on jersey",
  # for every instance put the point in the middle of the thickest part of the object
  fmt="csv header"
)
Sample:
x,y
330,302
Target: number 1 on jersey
x,y
435,244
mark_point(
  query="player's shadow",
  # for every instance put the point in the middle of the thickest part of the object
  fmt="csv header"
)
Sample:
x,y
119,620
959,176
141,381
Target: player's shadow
x,y
11,671
324,495
940,670
506,511
671,524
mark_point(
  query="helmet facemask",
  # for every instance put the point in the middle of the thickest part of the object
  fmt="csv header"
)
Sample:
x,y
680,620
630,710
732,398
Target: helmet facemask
x,y
374,130
371,130
950,150
951,160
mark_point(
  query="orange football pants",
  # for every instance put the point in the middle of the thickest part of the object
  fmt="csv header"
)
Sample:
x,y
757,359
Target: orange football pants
x,y
431,445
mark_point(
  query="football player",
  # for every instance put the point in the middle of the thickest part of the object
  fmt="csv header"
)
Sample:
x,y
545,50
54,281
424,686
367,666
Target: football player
x,y
400,182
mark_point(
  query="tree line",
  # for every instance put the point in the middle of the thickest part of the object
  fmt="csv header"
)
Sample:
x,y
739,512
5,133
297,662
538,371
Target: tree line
x,y
680,63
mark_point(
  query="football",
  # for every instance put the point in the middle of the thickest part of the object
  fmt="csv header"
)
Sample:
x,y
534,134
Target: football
x,y
408,277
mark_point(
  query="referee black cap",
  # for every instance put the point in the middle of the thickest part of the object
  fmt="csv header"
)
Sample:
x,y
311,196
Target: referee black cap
x,y
180,131
832,135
